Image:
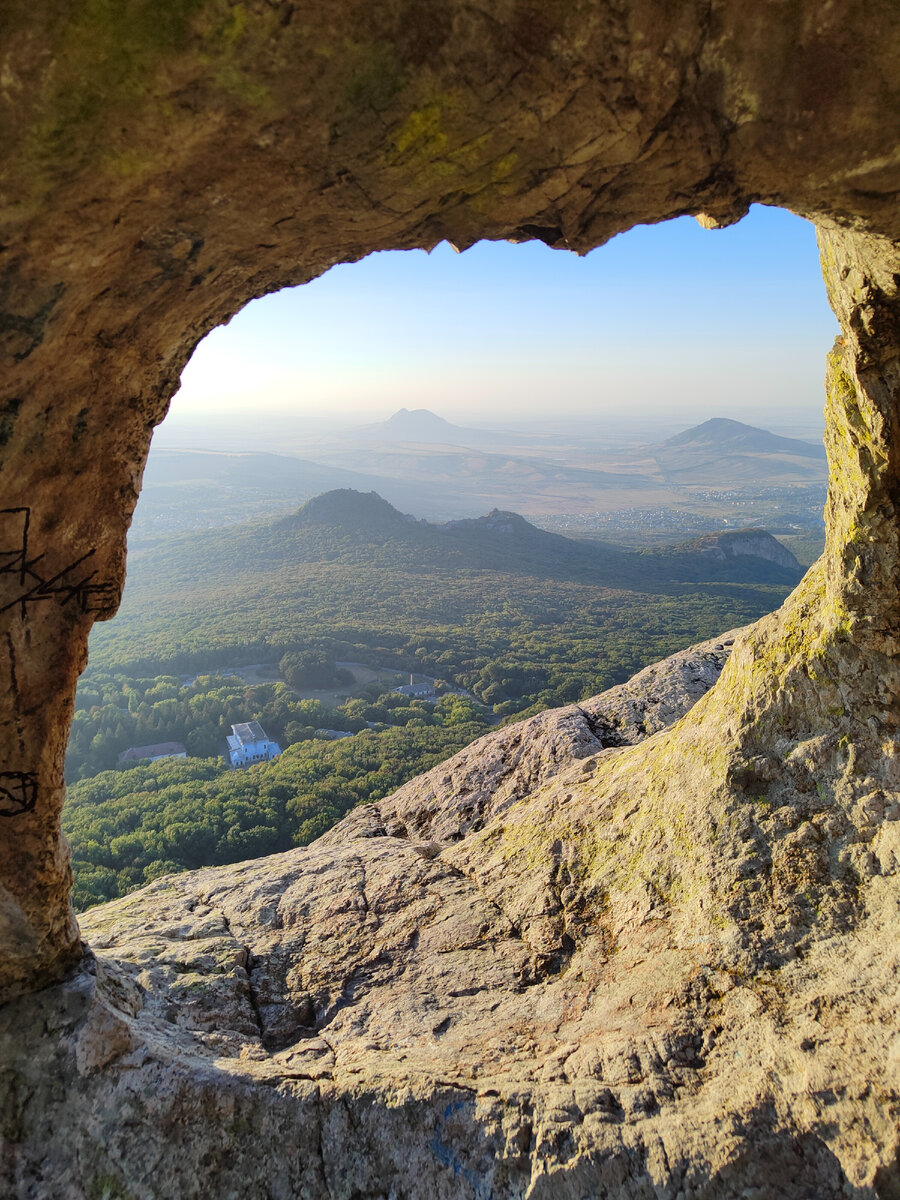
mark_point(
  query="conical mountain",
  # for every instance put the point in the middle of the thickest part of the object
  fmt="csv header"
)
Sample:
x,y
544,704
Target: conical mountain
x,y
422,425
362,529
725,436
350,510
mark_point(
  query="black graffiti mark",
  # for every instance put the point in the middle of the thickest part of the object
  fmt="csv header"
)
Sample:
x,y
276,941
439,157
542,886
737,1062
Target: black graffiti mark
x,y
68,585
18,793
14,541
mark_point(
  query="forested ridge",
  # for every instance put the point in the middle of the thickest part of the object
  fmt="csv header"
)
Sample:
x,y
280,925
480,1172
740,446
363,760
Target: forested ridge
x,y
521,618
363,530
484,602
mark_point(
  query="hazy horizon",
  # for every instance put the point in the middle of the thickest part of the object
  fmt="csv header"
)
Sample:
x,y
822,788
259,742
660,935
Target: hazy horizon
x,y
666,324
295,433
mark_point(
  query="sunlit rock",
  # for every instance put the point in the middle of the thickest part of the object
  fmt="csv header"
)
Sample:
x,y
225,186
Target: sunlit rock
x,y
673,972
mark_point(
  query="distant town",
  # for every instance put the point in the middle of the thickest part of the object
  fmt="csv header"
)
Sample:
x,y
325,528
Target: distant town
x,y
792,509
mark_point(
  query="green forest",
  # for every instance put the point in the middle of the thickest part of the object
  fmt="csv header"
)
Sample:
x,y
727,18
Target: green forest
x,y
543,642
521,619
128,827
114,712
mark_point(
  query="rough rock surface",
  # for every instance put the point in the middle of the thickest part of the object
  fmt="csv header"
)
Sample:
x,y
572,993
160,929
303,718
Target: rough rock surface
x,y
690,947
470,1015
462,794
163,163
755,542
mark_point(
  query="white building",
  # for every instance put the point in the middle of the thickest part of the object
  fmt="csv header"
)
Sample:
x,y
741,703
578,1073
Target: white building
x,y
248,743
420,690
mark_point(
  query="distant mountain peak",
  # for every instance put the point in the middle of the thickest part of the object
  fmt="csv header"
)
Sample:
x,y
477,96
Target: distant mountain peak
x,y
502,521
714,429
725,435
422,425
423,417
497,521
350,509
713,423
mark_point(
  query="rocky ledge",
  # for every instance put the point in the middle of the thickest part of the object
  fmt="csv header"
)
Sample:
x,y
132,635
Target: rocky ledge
x,y
445,996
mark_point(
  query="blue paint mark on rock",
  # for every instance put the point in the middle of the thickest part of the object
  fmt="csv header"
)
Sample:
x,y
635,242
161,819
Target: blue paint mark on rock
x,y
448,1157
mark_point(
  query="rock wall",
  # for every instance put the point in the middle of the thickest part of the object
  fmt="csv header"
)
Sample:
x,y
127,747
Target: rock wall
x,y
481,986
162,164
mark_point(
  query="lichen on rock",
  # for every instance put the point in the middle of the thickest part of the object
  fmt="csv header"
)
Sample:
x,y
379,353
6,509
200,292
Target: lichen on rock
x,y
492,999
634,957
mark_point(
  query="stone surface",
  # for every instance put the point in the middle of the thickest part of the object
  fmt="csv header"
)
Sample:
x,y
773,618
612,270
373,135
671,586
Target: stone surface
x,y
461,795
668,968
477,1014
164,163
755,542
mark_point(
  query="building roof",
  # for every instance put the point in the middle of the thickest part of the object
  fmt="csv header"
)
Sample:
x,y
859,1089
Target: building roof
x,y
160,750
249,731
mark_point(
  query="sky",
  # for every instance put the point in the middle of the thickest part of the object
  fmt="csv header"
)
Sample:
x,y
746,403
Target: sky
x,y
669,319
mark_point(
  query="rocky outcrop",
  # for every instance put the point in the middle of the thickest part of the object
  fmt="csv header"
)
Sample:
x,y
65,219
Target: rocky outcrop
x,y
164,164
434,1002
671,973
461,795
756,543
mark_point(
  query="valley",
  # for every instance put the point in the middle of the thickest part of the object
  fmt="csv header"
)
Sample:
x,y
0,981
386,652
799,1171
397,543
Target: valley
x,y
309,623
604,476
644,942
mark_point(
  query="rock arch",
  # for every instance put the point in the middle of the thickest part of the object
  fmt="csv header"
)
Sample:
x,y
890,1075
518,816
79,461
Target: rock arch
x,y
166,163
163,164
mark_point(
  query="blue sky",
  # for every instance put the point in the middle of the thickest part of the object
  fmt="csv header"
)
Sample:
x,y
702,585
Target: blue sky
x,y
666,318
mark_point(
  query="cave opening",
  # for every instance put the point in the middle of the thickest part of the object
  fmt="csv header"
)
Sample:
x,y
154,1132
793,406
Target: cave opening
x,y
666,327
676,968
